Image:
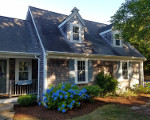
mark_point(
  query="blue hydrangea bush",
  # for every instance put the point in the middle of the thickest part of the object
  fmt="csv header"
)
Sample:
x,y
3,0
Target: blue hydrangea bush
x,y
64,97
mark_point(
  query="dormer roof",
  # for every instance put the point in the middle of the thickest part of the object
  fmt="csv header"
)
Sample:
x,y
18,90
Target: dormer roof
x,y
74,12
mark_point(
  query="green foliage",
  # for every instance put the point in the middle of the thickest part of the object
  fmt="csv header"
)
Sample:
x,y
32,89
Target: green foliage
x,y
127,94
133,20
93,90
27,100
142,89
63,97
106,82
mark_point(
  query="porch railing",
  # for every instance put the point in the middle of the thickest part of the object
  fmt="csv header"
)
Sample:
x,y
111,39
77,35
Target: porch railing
x,y
16,89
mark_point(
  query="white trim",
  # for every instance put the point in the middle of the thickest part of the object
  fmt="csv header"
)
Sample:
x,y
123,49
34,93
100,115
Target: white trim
x,y
86,71
7,80
17,68
71,33
141,73
106,31
120,71
113,33
70,16
56,54
44,56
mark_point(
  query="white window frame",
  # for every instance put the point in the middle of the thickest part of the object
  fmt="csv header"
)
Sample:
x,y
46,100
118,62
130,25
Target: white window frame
x,y
76,71
17,68
114,40
71,33
121,71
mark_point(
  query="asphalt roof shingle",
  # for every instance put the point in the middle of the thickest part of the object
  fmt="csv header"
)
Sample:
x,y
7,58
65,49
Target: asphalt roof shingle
x,y
16,36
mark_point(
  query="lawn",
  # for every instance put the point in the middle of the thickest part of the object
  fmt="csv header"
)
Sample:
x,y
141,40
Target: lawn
x,y
113,112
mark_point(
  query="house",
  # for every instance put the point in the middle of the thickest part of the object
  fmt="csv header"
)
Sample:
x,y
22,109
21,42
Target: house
x,y
51,48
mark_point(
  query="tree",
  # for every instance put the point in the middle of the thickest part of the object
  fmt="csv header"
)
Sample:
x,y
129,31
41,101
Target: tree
x,y
133,20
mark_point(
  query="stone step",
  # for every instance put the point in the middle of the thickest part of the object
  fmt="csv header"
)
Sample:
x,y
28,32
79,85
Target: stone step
x,y
8,107
6,115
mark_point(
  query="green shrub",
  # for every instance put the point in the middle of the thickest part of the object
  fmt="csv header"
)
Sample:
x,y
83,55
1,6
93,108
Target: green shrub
x,y
142,89
106,82
63,97
127,94
27,100
93,90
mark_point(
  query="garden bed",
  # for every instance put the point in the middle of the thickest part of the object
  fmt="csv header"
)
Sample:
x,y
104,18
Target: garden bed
x,y
40,112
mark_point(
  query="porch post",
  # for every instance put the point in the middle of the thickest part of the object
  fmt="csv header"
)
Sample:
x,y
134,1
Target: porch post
x,y
10,88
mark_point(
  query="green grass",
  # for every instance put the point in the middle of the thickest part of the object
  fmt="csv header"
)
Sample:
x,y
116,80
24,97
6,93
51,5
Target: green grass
x,y
113,112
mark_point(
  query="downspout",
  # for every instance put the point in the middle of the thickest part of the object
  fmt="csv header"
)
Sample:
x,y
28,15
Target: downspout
x,y
37,57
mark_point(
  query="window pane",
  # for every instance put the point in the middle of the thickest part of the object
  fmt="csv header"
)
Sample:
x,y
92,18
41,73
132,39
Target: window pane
x,y
81,71
117,42
23,75
124,70
23,66
75,33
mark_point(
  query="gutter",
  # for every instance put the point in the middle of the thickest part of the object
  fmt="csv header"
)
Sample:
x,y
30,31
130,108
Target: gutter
x,y
95,56
38,94
17,53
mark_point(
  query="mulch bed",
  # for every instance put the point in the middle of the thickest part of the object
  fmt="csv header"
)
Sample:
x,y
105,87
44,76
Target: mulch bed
x,y
40,112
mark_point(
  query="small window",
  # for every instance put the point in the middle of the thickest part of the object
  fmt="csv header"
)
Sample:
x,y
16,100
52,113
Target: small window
x,y
125,70
118,42
23,70
81,71
75,33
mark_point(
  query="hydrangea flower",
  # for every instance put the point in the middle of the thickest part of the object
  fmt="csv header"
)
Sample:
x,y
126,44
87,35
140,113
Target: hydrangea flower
x,y
63,106
39,103
55,98
61,96
71,96
59,109
43,94
63,111
63,87
73,101
66,97
46,106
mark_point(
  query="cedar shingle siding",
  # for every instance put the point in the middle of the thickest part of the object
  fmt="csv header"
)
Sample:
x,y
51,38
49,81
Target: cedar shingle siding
x,y
57,71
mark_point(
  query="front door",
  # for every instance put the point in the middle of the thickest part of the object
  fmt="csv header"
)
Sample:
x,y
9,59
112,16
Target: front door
x,y
3,76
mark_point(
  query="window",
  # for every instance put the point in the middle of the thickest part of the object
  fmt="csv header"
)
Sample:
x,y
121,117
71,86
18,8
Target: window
x,y
125,70
23,69
118,42
75,33
81,71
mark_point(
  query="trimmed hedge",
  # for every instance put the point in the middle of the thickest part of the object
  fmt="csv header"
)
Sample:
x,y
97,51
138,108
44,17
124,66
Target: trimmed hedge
x,y
27,100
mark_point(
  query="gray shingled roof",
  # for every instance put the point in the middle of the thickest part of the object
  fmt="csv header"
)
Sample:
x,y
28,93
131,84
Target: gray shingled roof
x,y
47,24
16,36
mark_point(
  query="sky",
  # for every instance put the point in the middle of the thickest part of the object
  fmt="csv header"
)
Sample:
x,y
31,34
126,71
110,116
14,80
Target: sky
x,y
94,10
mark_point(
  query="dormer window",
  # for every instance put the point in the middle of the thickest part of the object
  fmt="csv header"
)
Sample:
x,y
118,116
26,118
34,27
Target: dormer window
x,y
118,42
75,33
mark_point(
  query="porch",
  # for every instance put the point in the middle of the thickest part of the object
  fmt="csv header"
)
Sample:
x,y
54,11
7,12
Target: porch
x,y
18,76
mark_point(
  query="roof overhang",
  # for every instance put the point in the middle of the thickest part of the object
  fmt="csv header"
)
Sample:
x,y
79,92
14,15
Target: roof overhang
x,y
9,54
65,55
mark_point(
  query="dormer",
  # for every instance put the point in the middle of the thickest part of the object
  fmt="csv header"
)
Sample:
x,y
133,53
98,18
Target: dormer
x,y
73,27
116,38
113,37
